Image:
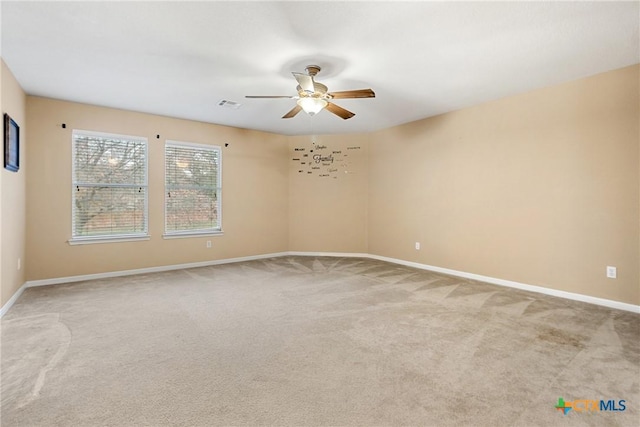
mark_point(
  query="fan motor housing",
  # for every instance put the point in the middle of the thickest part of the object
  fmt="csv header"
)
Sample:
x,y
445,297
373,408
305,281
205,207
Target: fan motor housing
x,y
319,88
313,70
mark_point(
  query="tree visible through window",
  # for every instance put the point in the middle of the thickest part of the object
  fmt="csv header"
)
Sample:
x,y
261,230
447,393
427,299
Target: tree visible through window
x,y
109,185
192,188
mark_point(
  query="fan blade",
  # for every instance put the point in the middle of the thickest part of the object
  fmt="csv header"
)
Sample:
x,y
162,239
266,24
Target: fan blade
x,y
269,96
339,111
305,82
360,93
295,110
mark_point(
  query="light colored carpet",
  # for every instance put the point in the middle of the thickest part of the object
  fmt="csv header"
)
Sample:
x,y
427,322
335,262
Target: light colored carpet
x,y
311,341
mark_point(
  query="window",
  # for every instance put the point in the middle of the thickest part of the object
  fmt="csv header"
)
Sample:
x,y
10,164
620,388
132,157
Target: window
x,y
109,186
192,189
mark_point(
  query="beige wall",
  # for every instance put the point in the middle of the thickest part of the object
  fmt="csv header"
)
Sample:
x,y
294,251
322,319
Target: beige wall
x,y
540,188
328,214
12,199
255,182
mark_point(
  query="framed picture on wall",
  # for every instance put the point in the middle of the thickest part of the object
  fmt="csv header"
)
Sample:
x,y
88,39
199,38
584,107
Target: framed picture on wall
x,y
11,144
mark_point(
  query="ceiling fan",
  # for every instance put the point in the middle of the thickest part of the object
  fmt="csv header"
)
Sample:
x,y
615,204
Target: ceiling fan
x,y
313,97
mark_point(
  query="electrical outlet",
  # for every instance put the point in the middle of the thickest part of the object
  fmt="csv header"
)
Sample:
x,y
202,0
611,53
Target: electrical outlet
x,y
612,272
417,246
19,263
208,244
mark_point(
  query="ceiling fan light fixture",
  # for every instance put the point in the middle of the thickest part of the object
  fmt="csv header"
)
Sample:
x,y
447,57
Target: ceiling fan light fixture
x,y
314,97
312,106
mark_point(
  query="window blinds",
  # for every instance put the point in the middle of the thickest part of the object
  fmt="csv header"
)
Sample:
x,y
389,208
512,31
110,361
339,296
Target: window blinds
x,y
192,188
109,185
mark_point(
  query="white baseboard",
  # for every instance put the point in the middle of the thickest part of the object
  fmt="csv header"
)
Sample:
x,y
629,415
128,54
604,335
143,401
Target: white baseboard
x,y
81,278
508,283
12,300
511,284
71,279
330,254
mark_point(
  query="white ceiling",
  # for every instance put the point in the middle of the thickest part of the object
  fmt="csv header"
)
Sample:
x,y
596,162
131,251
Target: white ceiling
x,y
180,59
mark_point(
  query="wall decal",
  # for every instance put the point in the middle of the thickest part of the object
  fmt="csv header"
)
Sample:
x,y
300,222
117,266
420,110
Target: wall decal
x,y
324,162
318,158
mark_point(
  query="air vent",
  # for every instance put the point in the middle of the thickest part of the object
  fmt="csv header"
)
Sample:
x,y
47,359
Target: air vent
x,y
228,104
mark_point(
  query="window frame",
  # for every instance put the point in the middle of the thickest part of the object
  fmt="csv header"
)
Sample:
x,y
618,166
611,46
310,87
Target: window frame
x,y
216,231
110,238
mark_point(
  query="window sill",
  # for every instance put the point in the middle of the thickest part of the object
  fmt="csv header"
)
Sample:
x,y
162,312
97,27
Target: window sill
x,y
105,239
194,234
